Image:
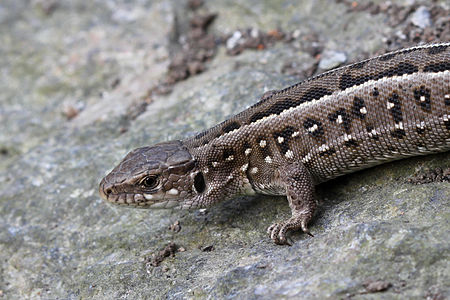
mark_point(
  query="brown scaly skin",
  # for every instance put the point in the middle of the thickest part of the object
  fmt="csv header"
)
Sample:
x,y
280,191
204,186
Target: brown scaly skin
x,y
382,109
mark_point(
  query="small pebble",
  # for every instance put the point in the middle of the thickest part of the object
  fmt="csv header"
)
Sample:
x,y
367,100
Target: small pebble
x,y
332,59
421,17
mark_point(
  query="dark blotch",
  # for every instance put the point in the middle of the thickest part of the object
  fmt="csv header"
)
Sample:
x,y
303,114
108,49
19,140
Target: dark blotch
x,y
347,80
281,106
275,109
315,93
351,143
328,152
375,92
358,103
286,134
398,133
310,123
346,119
401,69
230,127
423,92
438,49
396,111
257,116
199,183
437,67
227,152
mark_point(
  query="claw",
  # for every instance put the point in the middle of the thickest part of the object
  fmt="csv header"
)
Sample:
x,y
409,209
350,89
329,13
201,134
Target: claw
x,y
278,231
305,229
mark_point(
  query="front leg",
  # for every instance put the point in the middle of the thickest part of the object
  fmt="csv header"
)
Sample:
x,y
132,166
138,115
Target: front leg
x,y
300,194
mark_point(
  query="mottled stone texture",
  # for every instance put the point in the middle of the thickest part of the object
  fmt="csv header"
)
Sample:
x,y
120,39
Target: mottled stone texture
x,y
73,77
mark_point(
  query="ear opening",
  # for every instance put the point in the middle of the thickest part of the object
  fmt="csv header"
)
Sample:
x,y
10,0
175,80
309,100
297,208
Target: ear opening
x,y
199,183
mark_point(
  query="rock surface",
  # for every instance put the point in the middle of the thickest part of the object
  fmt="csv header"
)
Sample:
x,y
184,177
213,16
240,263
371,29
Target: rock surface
x,y
76,79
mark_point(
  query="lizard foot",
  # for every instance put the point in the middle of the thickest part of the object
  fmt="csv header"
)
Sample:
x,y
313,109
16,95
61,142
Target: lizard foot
x,y
278,231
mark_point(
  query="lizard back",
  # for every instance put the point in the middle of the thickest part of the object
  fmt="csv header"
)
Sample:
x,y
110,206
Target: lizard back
x,y
350,118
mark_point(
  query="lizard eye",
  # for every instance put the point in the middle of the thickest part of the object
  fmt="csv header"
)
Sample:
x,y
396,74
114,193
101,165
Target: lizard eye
x,y
150,182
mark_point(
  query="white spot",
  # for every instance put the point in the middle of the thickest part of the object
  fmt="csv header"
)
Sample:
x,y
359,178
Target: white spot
x,y
339,119
421,125
289,154
248,151
445,118
262,143
422,99
229,158
214,164
148,196
268,159
389,105
295,133
307,158
280,140
374,132
447,96
233,40
206,170
313,128
230,177
244,168
324,148
347,137
254,170
172,191
363,110
399,125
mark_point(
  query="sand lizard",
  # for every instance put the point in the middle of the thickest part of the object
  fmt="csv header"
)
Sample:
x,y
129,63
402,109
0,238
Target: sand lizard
x,y
351,118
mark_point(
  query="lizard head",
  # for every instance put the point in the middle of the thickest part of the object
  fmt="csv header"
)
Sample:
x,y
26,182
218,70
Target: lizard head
x,y
160,176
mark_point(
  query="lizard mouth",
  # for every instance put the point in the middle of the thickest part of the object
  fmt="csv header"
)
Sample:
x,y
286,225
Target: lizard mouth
x,y
127,199
136,199
140,200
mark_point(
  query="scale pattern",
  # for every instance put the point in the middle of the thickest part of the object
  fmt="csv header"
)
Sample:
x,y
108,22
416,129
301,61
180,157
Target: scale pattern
x,y
378,110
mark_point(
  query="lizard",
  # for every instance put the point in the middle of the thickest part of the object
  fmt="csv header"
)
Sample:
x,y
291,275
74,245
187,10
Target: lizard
x,y
354,117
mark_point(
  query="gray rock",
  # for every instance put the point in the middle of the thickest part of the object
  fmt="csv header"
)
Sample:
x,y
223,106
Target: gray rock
x,y
421,17
59,240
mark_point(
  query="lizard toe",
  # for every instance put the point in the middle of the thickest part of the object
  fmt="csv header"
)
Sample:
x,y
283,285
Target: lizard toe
x,y
277,233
